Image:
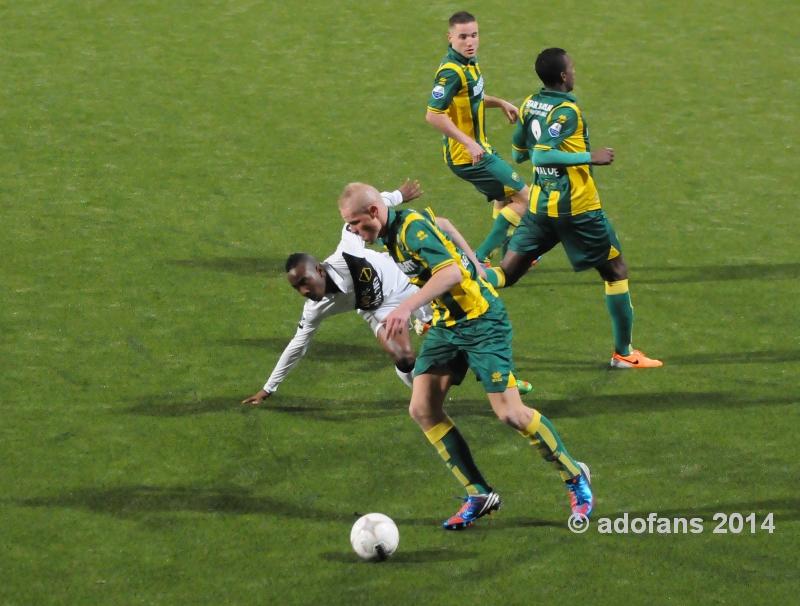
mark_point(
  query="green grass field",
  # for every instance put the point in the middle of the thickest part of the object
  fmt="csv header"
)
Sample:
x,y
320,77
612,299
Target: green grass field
x,y
159,161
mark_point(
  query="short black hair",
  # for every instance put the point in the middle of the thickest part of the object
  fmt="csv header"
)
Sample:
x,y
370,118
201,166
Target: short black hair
x,y
296,259
550,64
461,17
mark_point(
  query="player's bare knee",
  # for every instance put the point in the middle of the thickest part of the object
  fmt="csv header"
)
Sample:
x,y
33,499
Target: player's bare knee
x,y
418,413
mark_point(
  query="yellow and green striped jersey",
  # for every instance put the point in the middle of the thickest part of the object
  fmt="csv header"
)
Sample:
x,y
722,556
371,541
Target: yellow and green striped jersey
x,y
421,249
552,120
458,93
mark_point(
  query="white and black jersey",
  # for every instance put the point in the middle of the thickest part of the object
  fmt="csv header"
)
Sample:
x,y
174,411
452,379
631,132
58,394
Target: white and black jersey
x,y
369,282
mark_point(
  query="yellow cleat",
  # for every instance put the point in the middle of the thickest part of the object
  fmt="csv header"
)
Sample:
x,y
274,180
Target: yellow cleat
x,y
635,359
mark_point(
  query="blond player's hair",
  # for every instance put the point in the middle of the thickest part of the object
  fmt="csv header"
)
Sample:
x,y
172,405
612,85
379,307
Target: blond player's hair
x,y
356,198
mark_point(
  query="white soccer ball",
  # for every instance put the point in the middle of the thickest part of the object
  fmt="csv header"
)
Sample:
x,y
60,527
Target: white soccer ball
x,y
374,537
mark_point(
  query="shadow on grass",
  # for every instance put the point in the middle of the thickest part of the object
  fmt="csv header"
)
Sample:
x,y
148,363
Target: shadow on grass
x,y
327,409
322,409
783,510
421,556
550,364
742,357
272,266
318,350
133,501
675,275
650,402
184,406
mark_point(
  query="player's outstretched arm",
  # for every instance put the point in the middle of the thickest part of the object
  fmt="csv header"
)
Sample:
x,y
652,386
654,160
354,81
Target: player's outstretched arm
x,y
459,240
293,353
509,109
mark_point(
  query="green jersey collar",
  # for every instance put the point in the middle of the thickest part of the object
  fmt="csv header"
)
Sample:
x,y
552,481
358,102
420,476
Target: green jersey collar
x,y
381,241
558,93
453,54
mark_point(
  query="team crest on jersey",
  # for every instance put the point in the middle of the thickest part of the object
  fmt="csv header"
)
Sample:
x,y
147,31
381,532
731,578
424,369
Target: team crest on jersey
x,y
515,176
554,129
437,92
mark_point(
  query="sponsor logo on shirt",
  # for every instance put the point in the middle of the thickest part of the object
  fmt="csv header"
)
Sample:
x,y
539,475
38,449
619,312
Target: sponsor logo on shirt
x,y
409,267
366,275
478,87
548,172
515,176
554,130
301,324
497,377
421,235
437,92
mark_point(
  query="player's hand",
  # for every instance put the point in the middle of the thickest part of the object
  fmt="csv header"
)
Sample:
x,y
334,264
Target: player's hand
x,y
475,151
410,191
257,398
511,112
603,157
396,322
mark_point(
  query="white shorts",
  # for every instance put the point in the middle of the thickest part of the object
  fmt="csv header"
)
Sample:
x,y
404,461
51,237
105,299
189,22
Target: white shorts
x,y
376,317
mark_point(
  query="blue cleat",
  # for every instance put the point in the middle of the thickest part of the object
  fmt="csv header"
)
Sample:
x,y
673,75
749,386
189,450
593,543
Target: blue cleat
x,y
474,507
580,492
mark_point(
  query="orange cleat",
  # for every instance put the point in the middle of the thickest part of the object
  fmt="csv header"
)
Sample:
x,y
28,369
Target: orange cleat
x,y
635,359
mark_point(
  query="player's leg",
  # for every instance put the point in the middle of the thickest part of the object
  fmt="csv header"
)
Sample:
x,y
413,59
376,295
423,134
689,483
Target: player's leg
x,y
502,184
439,366
402,352
590,241
398,347
533,238
491,361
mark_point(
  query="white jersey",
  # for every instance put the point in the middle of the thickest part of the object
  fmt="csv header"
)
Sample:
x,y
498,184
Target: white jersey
x,y
378,288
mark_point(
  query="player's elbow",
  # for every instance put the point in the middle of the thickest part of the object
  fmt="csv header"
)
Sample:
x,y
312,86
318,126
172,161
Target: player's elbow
x,y
519,157
432,117
451,275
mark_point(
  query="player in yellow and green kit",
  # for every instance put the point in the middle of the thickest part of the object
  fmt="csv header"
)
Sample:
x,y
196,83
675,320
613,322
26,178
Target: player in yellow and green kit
x,y
456,109
564,202
470,330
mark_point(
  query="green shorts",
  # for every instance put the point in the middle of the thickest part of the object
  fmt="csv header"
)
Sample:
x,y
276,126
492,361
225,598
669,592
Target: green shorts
x,y
588,238
482,344
491,176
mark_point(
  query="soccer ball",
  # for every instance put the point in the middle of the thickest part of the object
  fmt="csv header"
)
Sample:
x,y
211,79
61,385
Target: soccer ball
x,y
374,537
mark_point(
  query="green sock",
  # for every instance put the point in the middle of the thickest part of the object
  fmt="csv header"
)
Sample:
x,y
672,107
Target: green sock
x,y
618,301
454,450
545,439
496,277
502,230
